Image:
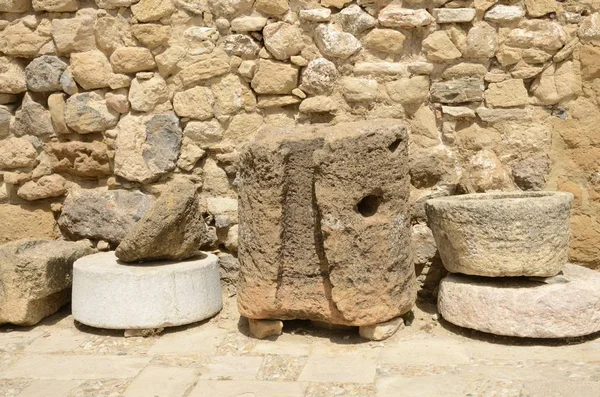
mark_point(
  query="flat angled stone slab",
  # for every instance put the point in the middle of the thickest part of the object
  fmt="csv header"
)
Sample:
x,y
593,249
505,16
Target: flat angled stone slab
x,y
502,234
110,294
567,305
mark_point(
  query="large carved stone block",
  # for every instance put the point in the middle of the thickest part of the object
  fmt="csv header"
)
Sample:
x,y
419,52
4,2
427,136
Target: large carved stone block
x,y
324,224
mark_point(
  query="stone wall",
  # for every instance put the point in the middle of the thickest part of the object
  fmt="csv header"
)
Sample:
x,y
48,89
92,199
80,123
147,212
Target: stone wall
x,y
120,95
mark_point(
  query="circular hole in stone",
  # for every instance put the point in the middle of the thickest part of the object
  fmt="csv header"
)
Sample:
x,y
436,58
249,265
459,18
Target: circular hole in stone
x,y
369,205
395,145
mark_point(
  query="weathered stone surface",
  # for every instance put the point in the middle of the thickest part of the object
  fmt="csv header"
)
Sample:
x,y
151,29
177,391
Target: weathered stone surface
x,y
36,278
82,159
541,34
151,34
439,48
145,95
283,40
173,229
333,42
21,39
315,15
261,329
319,76
299,274
384,40
74,34
12,76
203,70
354,20
195,103
502,234
152,10
506,94
357,89
395,16
26,221
87,113
132,60
502,13
56,5
16,153
241,45
275,78
100,214
147,146
232,95
44,73
5,117
272,7
454,15
32,119
558,83
567,305
531,173
457,91
481,41
91,69
381,331
15,6
248,24
46,187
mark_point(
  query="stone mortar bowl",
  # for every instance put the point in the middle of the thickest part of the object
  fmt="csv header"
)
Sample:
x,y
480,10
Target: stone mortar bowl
x,y
502,234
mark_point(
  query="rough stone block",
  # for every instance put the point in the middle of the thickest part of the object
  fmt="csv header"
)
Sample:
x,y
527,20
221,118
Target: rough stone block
x,y
567,305
35,278
113,295
502,234
324,224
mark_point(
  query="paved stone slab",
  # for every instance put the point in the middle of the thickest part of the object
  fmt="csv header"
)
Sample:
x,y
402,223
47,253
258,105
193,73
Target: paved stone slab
x,y
414,352
228,388
162,382
54,388
227,367
45,366
502,234
340,368
567,305
110,294
204,340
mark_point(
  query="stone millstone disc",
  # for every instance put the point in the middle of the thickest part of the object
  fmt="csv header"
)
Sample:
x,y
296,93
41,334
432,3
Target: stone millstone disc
x,y
110,294
567,305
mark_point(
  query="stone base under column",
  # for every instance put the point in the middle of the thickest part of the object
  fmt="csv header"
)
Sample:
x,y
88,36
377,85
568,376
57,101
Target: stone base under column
x,y
110,294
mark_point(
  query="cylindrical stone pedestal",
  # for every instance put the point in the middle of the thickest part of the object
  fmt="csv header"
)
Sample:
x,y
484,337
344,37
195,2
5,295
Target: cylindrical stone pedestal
x,y
110,294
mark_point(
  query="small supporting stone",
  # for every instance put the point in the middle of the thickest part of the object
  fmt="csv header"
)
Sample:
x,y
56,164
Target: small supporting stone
x,y
142,333
381,331
110,294
262,329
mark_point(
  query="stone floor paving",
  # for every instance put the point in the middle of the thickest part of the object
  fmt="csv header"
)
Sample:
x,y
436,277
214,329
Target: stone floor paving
x,y
217,358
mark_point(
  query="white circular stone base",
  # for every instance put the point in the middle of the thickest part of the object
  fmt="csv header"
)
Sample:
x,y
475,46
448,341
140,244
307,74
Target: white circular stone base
x,y
110,294
567,305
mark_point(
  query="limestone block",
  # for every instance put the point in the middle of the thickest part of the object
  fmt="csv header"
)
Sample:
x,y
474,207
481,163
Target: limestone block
x,y
151,34
318,104
545,35
354,20
152,10
203,70
147,147
481,41
395,16
46,187
558,83
173,228
506,94
383,331
87,113
315,15
27,221
43,74
322,238
16,153
14,6
439,48
20,40
272,7
5,118
82,159
283,40
388,41
502,234
248,24
356,89
567,305
36,278
232,94
102,214
261,329
319,76
333,42
12,76
274,78
502,13
132,60
110,294
147,94
56,5
589,30
457,91
195,103
74,34
539,8
32,119
241,45
91,69
454,15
